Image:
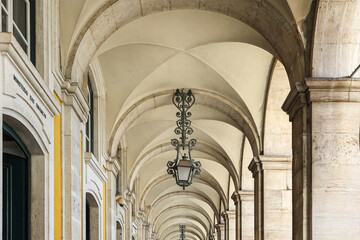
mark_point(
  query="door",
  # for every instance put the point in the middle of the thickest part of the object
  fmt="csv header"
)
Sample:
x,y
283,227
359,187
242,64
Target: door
x,y
15,192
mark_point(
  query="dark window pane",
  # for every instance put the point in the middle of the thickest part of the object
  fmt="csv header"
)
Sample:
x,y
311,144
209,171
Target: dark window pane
x,y
20,39
4,2
20,16
4,21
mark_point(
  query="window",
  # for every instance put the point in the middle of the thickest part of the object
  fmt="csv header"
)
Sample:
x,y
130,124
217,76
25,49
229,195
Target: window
x,y
90,122
18,17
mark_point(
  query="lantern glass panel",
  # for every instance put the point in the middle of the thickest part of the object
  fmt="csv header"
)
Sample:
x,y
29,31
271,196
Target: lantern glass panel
x,y
184,173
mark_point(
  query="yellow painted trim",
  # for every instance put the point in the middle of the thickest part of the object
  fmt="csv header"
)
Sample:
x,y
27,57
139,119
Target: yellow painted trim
x,y
57,176
81,180
104,210
104,207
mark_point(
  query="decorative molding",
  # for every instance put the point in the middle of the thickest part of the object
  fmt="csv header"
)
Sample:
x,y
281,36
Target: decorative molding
x,y
246,195
276,162
95,166
255,166
72,96
321,90
10,47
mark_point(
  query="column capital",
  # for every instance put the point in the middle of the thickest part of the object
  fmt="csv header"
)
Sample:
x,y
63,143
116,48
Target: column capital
x,y
72,96
246,195
255,166
225,215
236,197
321,90
220,227
231,214
276,162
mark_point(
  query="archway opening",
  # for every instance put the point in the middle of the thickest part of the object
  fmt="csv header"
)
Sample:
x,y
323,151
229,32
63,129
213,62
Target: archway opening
x,y
119,231
92,218
16,187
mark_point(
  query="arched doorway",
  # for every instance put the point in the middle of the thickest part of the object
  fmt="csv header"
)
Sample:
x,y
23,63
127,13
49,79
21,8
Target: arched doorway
x,y
16,186
92,218
119,231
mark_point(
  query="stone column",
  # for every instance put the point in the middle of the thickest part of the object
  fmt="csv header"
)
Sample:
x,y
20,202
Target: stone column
x,y
129,218
220,228
236,198
232,224
247,215
226,219
325,117
74,118
277,197
255,167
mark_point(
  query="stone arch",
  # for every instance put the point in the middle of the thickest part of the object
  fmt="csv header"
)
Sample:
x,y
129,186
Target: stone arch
x,y
195,195
263,17
201,147
35,147
240,115
197,209
336,53
191,231
93,220
187,217
203,177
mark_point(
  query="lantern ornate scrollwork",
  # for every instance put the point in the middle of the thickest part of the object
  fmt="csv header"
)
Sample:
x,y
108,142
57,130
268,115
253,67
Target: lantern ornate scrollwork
x,y
183,168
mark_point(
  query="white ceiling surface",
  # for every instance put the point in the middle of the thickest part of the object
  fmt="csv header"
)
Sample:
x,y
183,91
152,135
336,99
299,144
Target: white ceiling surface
x,y
183,49
180,49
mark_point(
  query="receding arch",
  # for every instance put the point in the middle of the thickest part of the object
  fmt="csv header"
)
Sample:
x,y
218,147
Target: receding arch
x,y
195,195
188,218
201,147
189,231
266,19
204,177
188,207
239,114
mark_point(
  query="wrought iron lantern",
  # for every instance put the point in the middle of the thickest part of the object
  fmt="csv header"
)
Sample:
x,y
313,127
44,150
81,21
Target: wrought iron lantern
x,y
182,232
183,168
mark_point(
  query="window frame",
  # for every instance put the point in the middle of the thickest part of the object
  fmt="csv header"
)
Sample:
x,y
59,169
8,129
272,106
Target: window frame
x,y
89,133
29,37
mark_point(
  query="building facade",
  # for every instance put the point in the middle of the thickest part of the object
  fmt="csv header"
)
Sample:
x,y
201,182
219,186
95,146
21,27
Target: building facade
x,y
86,89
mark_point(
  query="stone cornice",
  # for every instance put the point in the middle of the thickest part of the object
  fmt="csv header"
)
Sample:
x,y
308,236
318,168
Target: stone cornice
x,y
276,162
296,99
235,197
321,90
333,89
10,47
246,195
72,96
255,166
95,166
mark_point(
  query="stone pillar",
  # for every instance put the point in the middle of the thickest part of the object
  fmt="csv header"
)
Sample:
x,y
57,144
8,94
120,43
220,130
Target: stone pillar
x,y
232,224
129,218
255,167
226,219
111,204
236,198
74,115
325,117
247,215
220,228
277,197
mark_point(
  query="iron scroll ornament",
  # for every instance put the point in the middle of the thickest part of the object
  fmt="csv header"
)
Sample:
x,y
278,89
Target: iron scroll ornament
x,y
183,168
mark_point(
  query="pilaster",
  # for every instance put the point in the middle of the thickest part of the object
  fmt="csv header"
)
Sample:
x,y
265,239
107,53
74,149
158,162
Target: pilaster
x,y
237,202
220,229
277,197
247,214
74,117
256,168
325,116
